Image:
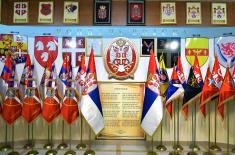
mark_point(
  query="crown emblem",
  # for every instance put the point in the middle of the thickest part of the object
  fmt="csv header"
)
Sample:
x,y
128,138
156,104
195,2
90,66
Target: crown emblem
x,y
102,7
121,42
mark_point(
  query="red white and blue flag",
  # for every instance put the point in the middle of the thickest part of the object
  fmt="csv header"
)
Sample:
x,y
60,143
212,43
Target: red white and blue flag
x,y
81,76
152,107
91,107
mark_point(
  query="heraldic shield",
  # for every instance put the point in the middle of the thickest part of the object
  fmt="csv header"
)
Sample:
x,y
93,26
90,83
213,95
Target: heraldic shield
x,y
121,59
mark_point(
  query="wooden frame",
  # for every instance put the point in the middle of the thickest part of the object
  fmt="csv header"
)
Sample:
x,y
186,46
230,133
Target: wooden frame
x,y
102,12
138,8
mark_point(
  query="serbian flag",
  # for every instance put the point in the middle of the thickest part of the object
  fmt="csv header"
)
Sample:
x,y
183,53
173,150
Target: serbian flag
x,y
69,110
91,107
209,91
197,72
31,102
11,105
81,76
180,73
152,106
51,103
192,91
174,91
227,91
216,73
164,79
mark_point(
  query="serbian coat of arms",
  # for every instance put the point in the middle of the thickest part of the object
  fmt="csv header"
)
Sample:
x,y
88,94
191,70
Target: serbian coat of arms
x,y
225,50
45,46
121,59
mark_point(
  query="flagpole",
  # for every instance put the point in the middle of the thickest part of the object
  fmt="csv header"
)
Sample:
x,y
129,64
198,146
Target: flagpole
x,y
81,146
33,151
174,152
209,131
89,151
215,147
161,147
227,150
178,147
29,144
50,138
62,145
13,152
152,152
6,146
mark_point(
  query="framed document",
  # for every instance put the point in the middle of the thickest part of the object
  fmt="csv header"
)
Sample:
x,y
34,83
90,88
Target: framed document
x,y
218,13
168,13
45,12
96,44
135,12
71,12
193,13
147,44
102,12
20,14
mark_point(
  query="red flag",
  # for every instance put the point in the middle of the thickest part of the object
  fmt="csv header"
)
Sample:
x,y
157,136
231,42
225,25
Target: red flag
x,y
197,72
208,92
51,103
216,73
7,70
227,91
81,76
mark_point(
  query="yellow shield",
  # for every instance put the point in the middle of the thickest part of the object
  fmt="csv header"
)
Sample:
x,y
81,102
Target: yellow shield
x,y
199,47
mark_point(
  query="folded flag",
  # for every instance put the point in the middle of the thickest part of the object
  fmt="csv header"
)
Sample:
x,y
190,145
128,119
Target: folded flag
x,y
192,91
152,106
31,102
12,107
91,107
209,91
174,91
81,76
164,79
227,91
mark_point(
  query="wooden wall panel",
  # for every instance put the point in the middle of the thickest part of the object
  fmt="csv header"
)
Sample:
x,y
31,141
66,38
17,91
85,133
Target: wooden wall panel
x,y
119,13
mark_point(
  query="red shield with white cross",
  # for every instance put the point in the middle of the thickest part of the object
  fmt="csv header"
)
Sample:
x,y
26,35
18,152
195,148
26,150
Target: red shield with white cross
x,y
45,46
21,8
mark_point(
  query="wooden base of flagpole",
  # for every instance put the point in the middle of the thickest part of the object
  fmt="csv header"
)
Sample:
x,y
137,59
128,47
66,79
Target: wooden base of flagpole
x,y
13,152
89,151
62,145
6,146
81,145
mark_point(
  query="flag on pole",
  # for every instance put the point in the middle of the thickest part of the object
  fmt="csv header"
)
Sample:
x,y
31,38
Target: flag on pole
x,y
227,91
51,103
12,108
90,103
197,72
174,91
164,79
81,76
209,91
216,73
152,106
192,91
234,74
69,110
31,102
180,73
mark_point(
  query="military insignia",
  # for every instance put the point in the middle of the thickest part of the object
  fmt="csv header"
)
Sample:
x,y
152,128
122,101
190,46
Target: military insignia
x,y
225,50
219,13
197,47
43,46
45,12
193,13
136,12
148,44
168,13
20,14
102,12
121,59
71,12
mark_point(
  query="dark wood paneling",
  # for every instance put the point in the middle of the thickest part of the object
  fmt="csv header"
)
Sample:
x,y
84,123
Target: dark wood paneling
x,y
119,13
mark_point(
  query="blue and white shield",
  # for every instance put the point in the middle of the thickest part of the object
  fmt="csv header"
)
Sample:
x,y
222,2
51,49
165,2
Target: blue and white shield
x,y
225,50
